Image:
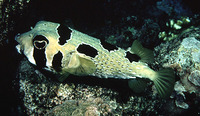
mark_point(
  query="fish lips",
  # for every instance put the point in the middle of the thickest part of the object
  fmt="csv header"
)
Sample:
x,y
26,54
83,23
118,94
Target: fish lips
x,y
18,46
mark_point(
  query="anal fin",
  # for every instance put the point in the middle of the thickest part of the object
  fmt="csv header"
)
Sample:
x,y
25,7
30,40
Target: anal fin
x,y
137,85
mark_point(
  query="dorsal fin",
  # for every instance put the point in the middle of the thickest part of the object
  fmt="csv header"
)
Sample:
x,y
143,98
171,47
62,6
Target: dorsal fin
x,y
145,54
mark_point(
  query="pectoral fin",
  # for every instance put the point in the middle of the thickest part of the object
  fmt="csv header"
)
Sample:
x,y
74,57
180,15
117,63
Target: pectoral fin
x,y
74,61
80,66
87,65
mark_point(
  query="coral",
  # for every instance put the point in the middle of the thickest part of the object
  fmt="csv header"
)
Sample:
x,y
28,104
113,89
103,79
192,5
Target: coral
x,y
124,36
194,77
183,57
43,95
40,94
89,107
191,46
174,28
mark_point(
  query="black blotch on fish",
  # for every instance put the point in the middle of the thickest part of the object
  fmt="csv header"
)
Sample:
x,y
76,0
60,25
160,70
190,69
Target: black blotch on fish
x,y
40,58
64,33
87,50
108,46
57,61
132,57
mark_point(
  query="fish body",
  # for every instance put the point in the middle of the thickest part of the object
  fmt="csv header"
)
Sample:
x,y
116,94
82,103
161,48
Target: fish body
x,y
65,51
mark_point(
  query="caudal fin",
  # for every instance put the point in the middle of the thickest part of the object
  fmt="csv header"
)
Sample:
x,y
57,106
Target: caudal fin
x,y
164,82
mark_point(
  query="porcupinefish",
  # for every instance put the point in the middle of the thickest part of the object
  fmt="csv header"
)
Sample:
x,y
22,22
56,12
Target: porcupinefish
x,y
63,50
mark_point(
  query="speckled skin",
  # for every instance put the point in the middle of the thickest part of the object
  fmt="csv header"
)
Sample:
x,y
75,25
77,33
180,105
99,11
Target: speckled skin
x,y
106,64
114,64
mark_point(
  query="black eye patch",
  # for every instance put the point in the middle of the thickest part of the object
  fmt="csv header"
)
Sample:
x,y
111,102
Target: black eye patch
x,y
87,50
57,61
108,46
39,43
40,57
64,33
132,57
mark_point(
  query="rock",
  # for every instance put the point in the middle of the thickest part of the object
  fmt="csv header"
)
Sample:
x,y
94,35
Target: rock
x,y
183,55
194,77
44,95
190,46
89,107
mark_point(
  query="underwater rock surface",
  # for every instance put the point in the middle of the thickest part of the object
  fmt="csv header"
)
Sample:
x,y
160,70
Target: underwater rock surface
x,y
119,23
45,96
183,55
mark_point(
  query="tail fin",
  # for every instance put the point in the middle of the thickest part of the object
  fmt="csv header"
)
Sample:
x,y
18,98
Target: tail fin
x,y
164,82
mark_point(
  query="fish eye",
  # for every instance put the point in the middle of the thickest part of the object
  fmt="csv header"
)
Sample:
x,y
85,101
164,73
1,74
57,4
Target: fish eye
x,y
40,42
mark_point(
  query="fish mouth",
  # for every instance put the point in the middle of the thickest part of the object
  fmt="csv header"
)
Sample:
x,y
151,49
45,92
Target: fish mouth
x,y
17,37
18,46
